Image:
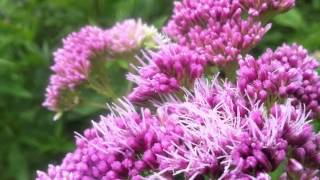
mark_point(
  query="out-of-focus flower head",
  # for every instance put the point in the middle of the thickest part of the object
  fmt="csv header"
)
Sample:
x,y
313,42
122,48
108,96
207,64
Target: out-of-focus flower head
x,y
72,64
88,49
262,8
215,28
132,34
287,72
167,70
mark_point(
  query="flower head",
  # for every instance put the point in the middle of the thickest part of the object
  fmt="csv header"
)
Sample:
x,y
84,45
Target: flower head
x,y
85,162
84,53
199,136
286,72
72,63
132,34
214,28
262,7
167,70
121,145
218,143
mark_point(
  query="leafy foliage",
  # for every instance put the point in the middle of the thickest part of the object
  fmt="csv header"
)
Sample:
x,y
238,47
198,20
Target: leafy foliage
x,y
31,29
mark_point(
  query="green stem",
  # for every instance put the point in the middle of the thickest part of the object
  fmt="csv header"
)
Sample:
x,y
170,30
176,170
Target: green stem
x,y
96,105
102,89
96,5
230,71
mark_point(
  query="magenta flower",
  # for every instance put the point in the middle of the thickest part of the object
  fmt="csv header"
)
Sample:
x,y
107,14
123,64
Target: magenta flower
x,y
213,93
296,170
72,64
305,160
85,50
167,70
287,72
121,145
218,143
215,28
262,7
85,162
196,137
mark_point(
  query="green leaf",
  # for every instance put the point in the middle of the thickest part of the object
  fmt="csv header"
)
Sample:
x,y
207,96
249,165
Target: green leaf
x,y
159,22
4,63
123,64
15,90
316,125
18,163
292,19
277,173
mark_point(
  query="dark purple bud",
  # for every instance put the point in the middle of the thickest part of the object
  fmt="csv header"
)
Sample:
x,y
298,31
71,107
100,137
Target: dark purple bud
x,y
257,118
299,154
133,143
262,158
149,139
251,161
279,156
244,149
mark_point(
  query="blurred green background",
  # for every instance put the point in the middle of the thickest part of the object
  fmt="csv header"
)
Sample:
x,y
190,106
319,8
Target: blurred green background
x,y
30,30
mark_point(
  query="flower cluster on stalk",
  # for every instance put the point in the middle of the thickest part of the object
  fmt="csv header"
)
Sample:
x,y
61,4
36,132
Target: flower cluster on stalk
x,y
74,62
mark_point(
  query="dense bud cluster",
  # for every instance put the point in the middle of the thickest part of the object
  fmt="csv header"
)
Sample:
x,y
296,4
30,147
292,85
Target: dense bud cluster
x,y
167,71
215,28
73,63
286,72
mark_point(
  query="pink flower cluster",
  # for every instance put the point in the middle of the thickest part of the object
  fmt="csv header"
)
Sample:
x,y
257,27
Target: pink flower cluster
x,y
166,71
130,35
215,28
214,31
304,163
262,7
72,62
287,72
195,138
123,144
219,144
86,162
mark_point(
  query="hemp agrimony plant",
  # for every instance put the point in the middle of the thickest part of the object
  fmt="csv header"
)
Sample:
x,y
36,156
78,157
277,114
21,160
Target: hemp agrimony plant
x,y
199,105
